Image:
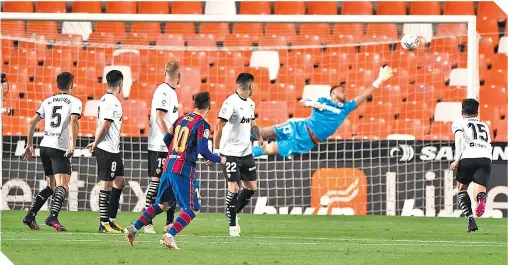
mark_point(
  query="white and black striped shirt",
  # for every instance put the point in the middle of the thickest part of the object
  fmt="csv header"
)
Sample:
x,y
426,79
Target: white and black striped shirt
x,y
110,108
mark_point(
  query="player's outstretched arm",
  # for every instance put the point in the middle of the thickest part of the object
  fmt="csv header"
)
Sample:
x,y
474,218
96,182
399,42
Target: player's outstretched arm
x,y
203,133
29,150
385,73
74,127
99,134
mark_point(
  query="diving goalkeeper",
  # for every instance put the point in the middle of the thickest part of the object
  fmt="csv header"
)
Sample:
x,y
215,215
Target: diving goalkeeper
x,y
300,136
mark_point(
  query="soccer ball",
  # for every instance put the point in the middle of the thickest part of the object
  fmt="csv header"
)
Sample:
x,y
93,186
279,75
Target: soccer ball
x,y
410,42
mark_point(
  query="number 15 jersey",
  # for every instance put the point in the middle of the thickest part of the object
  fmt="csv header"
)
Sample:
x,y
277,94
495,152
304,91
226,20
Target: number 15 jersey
x,y
477,139
56,112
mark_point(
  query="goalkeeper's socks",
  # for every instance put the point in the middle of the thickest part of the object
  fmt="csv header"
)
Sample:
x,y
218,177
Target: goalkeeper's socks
x,y
170,214
114,202
58,199
147,216
181,222
464,203
104,198
151,195
256,151
231,200
244,199
40,200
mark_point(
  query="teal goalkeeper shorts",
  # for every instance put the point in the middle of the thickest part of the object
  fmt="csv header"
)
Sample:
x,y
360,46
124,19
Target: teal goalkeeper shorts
x,y
293,138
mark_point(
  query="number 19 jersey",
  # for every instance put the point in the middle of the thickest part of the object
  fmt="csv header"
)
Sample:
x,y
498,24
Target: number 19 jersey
x,y
56,112
476,138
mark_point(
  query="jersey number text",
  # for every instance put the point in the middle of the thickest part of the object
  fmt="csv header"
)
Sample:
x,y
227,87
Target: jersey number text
x,y
479,131
181,137
56,117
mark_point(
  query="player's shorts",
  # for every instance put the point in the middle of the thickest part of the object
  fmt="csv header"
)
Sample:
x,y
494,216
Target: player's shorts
x,y
54,161
110,165
156,162
240,168
293,138
184,189
475,170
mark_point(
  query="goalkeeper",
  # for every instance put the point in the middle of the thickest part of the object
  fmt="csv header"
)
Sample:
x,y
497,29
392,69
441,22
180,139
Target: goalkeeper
x,y
300,136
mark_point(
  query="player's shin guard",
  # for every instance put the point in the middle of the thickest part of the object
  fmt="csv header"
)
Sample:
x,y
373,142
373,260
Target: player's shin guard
x,y
465,204
256,151
104,198
151,195
114,203
148,215
231,200
181,222
40,200
58,199
170,214
244,199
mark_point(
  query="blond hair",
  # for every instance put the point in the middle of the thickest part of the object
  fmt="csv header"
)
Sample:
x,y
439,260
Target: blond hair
x,y
172,68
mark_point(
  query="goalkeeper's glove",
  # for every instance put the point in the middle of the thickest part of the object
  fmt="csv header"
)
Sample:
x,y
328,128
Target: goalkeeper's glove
x,y
385,73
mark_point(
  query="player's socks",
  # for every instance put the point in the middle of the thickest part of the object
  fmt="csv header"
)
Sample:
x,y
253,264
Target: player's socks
x,y
256,151
465,204
104,198
170,214
40,200
231,200
114,203
147,216
151,195
181,222
58,200
244,199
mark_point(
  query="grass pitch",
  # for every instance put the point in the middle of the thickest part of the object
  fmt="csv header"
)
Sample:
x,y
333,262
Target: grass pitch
x,y
266,239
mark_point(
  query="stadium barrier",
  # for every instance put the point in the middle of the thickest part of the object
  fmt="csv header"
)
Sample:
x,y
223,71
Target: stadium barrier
x,y
338,177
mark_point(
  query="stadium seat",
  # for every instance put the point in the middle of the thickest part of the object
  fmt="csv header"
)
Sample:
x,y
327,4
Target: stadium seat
x,y
102,37
153,7
458,77
86,7
50,7
356,8
313,92
500,62
453,30
190,80
276,111
84,29
254,30
379,110
502,131
425,8
116,28
277,29
152,29
491,10
14,125
315,29
372,129
184,28
128,57
91,108
411,127
289,8
487,26
28,107
391,8
384,32
292,75
344,132
121,7
184,7
267,59
48,29
302,112
220,8
415,110
14,28
255,8
353,29
321,8
18,6
443,128
327,76
489,113
423,30
458,8
127,77
503,45
219,30
448,111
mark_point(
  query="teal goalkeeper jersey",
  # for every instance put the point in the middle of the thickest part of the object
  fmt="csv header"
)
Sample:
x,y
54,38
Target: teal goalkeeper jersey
x,y
324,123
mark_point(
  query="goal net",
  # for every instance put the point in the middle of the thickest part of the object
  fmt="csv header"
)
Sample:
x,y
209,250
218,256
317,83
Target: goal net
x,y
388,158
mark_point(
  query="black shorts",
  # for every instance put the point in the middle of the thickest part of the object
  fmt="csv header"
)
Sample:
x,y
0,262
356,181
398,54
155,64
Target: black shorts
x,y
54,161
240,168
475,170
109,165
156,161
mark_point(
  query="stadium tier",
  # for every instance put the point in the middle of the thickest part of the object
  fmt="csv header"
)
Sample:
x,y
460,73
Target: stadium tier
x,y
287,59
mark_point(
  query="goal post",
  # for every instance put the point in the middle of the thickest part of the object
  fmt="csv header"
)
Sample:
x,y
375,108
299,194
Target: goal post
x,y
365,168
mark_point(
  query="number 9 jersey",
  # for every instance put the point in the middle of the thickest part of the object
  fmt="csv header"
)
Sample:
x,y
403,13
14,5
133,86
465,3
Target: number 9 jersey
x,y
477,138
56,112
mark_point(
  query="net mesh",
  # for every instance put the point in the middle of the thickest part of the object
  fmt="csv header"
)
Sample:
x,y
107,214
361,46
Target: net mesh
x,y
289,61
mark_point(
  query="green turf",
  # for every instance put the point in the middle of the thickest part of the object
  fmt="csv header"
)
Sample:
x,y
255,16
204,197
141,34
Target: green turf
x,y
266,239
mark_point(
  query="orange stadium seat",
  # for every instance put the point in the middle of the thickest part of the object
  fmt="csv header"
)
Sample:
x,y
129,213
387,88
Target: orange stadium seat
x,y
251,29
14,125
289,8
315,29
487,25
219,30
500,62
277,29
15,28
458,8
415,110
116,28
384,32
486,47
18,6
391,8
357,8
153,7
322,8
28,107
491,10
489,113
48,29
121,7
292,75
354,29
184,7
184,28
411,127
50,7
138,39
302,112
102,37
425,8
255,8
377,110
150,28
502,131
443,128
345,131
276,111
374,129
86,7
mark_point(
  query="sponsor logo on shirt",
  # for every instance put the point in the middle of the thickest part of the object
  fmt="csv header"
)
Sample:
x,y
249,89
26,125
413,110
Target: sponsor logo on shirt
x,y
245,120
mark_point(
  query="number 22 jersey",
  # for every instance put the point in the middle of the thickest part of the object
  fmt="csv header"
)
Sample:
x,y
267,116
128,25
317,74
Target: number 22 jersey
x,y
476,138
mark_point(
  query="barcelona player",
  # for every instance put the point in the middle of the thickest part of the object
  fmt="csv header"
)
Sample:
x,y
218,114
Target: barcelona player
x,y
296,137
186,138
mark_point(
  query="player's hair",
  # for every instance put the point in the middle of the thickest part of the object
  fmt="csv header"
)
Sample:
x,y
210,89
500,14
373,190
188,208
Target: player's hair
x,y
336,86
172,68
64,81
202,100
113,78
244,80
470,106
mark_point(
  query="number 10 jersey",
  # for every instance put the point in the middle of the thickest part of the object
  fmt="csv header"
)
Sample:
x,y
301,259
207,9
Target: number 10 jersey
x,y
477,138
56,112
